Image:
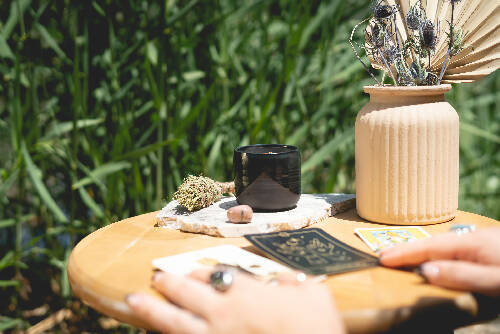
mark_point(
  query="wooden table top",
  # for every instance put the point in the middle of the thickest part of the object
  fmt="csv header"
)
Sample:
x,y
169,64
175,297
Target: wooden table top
x,y
116,260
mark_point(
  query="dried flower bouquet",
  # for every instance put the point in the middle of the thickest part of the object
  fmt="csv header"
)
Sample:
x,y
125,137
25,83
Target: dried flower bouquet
x,y
414,42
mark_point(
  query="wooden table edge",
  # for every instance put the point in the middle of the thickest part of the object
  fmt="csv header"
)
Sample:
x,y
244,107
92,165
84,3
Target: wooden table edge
x,y
373,320
112,308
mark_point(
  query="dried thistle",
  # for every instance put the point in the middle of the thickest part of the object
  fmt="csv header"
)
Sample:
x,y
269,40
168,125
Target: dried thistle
x,y
197,192
429,34
376,36
414,17
381,11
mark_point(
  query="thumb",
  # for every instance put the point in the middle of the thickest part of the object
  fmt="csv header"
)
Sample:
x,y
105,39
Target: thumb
x,y
291,278
461,275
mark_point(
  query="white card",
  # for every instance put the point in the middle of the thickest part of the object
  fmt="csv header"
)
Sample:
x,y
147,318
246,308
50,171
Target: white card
x,y
208,258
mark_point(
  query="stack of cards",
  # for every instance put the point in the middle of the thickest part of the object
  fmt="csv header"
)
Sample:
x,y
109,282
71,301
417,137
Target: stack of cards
x,y
380,238
208,258
312,251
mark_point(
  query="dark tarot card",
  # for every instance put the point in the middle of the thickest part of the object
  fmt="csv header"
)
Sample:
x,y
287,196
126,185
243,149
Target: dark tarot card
x,y
312,251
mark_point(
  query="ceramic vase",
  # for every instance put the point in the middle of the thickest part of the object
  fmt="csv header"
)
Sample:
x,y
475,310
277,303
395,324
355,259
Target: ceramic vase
x,y
407,156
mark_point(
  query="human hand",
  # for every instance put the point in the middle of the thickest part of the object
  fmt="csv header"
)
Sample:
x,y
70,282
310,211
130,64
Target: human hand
x,y
463,262
249,306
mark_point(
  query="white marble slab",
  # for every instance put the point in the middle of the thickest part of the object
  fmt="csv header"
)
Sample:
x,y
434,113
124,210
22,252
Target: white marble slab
x,y
311,209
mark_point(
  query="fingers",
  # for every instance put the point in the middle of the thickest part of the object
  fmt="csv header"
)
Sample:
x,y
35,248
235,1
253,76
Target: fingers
x,y
463,276
165,317
291,278
189,294
240,279
442,247
202,275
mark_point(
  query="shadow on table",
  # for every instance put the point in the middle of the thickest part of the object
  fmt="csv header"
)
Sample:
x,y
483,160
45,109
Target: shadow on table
x,y
352,215
428,315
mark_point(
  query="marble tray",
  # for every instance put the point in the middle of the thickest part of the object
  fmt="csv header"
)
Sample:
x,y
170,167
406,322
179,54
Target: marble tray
x,y
311,209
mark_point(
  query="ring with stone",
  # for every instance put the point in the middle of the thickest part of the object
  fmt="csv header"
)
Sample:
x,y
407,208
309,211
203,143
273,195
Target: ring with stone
x,y
461,229
221,280
301,277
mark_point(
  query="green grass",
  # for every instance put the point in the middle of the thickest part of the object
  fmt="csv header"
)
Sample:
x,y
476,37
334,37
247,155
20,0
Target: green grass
x,y
106,106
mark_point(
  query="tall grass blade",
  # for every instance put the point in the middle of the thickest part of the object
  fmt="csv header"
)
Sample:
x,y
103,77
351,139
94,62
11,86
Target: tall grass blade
x,y
90,203
7,185
136,154
328,149
9,283
102,171
479,132
65,288
14,16
7,260
36,178
5,50
51,42
8,323
7,223
62,128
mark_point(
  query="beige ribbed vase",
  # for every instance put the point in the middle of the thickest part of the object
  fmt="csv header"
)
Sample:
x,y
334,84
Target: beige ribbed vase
x,y
407,156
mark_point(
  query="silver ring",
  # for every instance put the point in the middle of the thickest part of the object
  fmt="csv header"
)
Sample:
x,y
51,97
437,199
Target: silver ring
x,y
461,229
301,277
221,280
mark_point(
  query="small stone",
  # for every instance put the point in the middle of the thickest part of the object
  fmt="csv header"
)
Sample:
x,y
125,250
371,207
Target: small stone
x,y
240,214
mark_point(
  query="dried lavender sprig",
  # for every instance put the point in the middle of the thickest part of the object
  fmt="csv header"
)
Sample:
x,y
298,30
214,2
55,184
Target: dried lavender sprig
x,y
429,68
447,60
396,30
388,67
356,53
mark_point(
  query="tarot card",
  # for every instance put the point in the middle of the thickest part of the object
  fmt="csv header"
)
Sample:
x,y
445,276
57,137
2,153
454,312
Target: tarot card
x,y
312,251
226,255
380,238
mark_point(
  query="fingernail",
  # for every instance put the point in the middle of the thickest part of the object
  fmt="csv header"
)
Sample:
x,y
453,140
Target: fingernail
x,y
428,271
419,272
382,259
157,275
385,253
132,299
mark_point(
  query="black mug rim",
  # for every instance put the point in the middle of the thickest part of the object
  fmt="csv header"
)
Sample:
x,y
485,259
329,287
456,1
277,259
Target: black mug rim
x,y
291,148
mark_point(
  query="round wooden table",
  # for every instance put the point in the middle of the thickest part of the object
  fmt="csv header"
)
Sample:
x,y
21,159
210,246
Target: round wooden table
x,y
116,260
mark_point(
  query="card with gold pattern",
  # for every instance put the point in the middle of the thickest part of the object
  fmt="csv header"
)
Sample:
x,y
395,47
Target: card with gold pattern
x,y
312,251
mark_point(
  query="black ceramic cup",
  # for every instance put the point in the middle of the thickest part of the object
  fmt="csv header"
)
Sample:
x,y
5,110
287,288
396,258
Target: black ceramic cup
x,y
267,176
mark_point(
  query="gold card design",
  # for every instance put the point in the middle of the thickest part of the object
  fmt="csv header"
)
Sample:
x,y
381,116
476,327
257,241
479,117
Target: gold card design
x,y
226,255
312,251
384,237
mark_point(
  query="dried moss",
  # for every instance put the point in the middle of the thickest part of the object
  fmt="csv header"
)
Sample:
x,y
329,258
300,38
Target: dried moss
x,y
197,192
